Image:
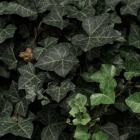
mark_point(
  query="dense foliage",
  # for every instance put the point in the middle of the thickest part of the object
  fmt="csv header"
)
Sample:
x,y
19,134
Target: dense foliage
x,y
69,69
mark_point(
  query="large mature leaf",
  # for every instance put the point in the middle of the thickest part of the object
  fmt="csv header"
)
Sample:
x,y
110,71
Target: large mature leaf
x,y
9,57
24,8
112,3
99,33
46,43
3,72
23,127
134,36
3,7
57,59
82,10
18,97
131,7
133,102
7,32
5,108
112,130
55,123
55,18
29,76
59,92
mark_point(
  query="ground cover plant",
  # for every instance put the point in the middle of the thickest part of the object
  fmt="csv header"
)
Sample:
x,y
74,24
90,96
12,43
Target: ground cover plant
x,y
70,70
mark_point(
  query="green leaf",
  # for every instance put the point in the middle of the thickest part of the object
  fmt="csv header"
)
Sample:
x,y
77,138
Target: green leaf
x,y
5,108
82,132
3,7
9,57
99,33
134,102
29,76
4,73
114,18
134,36
23,31
7,32
130,8
55,123
24,8
46,43
55,18
107,89
112,130
59,92
98,134
75,51
112,3
106,71
87,75
23,127
57,59
18,97
65,136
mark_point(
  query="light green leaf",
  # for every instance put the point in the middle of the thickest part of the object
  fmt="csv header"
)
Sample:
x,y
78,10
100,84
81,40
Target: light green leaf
x,y
23,127
4,73
106,71
99,33
134,36
24,8
131,7
107,89
18,97
112,3
46,43
57,59
7,32
55,18
5,108
59,92
55,123
29,76
134,102
82,132
9,57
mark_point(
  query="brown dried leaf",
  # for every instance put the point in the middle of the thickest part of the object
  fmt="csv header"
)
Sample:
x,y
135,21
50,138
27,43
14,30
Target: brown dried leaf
x,y
15,117
27,55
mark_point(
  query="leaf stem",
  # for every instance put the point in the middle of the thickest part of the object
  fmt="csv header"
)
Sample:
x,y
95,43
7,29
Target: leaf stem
x,y
79,111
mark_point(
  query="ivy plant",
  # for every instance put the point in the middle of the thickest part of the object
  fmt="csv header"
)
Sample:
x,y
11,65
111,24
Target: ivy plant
x,y
69,69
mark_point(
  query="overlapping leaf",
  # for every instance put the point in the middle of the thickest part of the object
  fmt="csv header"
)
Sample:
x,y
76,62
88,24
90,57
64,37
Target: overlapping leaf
x,y
98,33
23,127
55,123
112,3
131,7
29,76
3,7
55,18
4,72
57,59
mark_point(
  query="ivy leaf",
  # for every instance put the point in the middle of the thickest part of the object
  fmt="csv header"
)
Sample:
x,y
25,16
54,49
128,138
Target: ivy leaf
x,y
55,123
3,7
9,57
98,33
134,102
46,43
22,8
18,97
107,89
29,76
112,130
75,51
5,108
4,73
134,36
55,18
65,136
58,93
23,127
82,132
120,104
7,32
112,3
61,63
23,31
114,18
106,71
131,7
